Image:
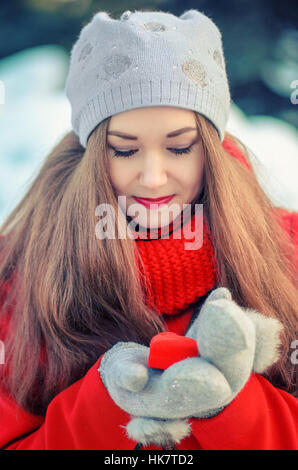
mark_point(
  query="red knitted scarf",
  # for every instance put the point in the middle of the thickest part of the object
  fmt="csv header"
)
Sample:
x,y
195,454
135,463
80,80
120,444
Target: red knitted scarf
x,y
177,277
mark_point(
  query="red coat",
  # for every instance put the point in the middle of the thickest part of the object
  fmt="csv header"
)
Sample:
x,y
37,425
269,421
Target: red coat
x,y
84,416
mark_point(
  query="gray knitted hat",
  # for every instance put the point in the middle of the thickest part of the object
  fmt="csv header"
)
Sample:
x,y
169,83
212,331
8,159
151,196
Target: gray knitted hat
x,y
149,58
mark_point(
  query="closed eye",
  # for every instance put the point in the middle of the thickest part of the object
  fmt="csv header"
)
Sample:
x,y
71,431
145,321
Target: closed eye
x,y
129,153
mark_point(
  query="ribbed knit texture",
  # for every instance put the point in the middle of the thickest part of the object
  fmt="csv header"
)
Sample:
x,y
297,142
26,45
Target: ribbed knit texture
x,y
177,277
145,59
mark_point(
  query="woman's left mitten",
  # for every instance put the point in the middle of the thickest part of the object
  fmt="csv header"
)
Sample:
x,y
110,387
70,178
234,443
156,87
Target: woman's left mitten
x,y
235,340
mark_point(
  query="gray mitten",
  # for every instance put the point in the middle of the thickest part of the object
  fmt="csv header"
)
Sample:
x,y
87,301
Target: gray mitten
x,y
236,340
232,341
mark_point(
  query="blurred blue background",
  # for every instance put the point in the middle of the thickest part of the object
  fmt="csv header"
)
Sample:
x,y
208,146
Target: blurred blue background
x,y
260,39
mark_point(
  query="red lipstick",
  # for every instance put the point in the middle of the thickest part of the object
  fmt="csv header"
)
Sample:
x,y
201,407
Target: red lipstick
x,y
159,201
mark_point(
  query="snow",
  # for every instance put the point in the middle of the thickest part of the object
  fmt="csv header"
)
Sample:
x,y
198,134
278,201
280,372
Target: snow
x,y
273,146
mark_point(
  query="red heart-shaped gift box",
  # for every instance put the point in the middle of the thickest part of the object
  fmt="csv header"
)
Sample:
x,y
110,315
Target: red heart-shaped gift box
x,y
166,348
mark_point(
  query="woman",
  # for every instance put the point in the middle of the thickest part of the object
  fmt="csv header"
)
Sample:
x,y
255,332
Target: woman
x,y
74,288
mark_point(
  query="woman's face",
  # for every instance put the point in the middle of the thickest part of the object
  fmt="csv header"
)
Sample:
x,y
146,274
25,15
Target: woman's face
x,y
153,167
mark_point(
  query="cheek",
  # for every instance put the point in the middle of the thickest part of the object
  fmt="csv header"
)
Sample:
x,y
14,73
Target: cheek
x,y
118,175
193,174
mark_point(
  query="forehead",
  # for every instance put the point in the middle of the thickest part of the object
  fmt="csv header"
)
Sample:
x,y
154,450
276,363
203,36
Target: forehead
x,y
157,119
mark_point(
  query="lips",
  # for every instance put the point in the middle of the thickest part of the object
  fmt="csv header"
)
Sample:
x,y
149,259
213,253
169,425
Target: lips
x,y
160,201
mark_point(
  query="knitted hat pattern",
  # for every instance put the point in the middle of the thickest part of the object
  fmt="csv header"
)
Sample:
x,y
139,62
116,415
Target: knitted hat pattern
x,y
145,59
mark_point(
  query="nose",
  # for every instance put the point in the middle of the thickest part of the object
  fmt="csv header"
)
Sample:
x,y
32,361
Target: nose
x,y
153,173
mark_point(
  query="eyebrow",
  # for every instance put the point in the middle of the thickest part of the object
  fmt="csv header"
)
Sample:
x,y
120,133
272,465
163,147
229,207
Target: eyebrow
x,y
123,135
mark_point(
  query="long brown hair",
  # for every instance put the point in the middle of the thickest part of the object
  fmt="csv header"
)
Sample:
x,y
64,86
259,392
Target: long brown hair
x,y
73,295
